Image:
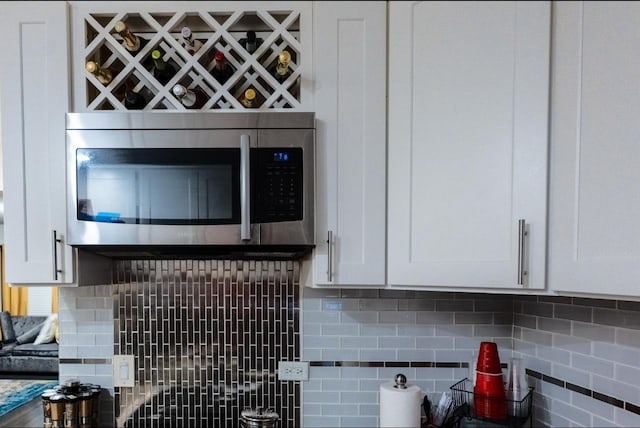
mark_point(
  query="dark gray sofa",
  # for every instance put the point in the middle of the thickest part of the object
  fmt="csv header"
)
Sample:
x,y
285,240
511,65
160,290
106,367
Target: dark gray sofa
x,y
18,353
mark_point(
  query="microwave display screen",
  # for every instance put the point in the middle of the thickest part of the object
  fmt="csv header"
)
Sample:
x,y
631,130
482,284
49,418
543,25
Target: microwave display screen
x,y
158,186
281,156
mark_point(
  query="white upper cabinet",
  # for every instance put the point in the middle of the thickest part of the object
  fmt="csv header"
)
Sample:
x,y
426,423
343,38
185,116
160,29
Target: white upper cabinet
x,y
594,223
349,45
468,143
34,99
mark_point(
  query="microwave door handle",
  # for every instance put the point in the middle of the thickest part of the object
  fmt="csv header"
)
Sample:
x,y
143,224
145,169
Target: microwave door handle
x,y
245,190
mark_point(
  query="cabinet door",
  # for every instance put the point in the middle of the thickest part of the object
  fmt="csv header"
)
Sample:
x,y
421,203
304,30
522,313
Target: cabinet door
x,y
34,100
349,71
594,222
468,126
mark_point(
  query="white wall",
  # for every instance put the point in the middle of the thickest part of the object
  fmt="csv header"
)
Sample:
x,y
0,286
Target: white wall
x,y
39,302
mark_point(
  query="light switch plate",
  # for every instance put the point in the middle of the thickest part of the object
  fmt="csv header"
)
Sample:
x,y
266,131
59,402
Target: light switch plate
x,y
124,370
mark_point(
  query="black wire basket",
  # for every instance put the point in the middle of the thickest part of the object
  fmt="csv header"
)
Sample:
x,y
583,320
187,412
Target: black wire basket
x,y
498,410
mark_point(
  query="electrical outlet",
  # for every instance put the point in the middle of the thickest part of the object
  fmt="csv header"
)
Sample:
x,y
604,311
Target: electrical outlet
x,y
293,370
124,370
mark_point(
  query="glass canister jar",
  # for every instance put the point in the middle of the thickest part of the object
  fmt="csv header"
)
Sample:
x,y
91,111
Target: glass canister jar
x,y
85,413
71,411
46,407
57,410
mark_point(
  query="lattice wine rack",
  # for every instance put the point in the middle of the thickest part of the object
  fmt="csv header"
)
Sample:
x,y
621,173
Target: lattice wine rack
x,y
219,26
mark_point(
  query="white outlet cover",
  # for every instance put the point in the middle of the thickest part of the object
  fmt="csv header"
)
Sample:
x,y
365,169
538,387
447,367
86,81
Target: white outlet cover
x,y
124,370
293,370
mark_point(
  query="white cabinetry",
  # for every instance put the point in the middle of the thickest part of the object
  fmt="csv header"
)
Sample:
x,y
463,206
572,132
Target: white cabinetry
x,y
594,223
349,45
468,127
34,99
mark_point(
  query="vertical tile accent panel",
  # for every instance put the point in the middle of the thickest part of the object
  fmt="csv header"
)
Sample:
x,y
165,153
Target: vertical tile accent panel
x,y
207,336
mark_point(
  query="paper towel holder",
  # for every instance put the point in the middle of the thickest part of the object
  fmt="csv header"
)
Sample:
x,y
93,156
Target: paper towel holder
x,y
401,381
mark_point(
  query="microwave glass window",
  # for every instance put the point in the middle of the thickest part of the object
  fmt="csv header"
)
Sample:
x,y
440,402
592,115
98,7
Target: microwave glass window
x,y
159,186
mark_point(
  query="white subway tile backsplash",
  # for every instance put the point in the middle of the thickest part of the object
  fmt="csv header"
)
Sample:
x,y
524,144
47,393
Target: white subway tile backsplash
x,y
311,354
435,342
543,338
341,355
358,373
340,409
320,397
398,317
340,385
617,317
359,317
493,331
619,354
349,342
416,305
569,374
397,342
320,421
592,364
376,330
572,344
554,325
357,421
597,421
454,330
554,354
322,342
378,305
378,355
625,419
340,304
339,329
435,318
417,331
594,332
627,337
473,318
597,407
571,413
328,317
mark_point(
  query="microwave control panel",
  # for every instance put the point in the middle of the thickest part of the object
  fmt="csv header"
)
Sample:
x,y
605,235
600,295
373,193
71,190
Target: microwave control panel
x,y
278,185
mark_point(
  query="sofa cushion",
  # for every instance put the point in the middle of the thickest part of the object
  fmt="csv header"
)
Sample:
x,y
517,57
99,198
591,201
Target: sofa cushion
x,y
6,323
24,323
31,350
7,348
30,336
47,333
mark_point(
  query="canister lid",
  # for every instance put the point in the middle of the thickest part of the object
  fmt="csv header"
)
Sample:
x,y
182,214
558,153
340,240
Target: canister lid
x,y
256,415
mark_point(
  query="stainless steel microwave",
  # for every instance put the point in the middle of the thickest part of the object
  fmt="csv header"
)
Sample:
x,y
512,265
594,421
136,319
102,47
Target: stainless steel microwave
x,y
150,181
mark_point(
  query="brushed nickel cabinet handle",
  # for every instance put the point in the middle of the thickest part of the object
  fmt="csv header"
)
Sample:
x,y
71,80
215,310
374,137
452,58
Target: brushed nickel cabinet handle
x,y
245,190
56,241
330,256
523,235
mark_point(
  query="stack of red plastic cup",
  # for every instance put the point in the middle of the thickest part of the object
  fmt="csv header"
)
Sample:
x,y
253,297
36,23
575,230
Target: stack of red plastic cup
x,y
489,396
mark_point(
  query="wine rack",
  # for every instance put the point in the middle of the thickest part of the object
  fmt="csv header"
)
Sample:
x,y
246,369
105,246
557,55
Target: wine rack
x,y
219,26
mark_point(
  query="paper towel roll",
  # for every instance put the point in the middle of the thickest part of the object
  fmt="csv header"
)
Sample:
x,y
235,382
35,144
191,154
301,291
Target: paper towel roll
x,y
400,407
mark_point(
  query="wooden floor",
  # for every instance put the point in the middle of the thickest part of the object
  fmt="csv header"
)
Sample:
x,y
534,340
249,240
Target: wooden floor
x,y
29,415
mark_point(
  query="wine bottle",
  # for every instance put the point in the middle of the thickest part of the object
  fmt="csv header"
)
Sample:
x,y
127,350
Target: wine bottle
x,y
162,70
249,98
134,100
221,70
250,43
193,99
282,68
188,42
130,41
103,75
